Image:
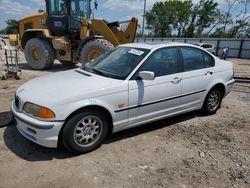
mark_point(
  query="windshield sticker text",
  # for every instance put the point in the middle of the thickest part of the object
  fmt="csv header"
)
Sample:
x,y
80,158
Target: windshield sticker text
x,y
136,52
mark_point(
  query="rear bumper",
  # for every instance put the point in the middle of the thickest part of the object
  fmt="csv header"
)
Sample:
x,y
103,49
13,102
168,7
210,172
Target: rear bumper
x,y
41,132
229,86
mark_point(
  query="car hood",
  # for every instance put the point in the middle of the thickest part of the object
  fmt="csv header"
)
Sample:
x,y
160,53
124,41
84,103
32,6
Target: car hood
x,y
64,87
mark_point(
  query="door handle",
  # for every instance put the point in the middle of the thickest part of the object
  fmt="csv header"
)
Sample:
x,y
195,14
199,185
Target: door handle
x,y
208,72
176,80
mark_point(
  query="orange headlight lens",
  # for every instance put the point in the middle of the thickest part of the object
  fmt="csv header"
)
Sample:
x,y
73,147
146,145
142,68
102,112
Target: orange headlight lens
x,y
38,111
45,113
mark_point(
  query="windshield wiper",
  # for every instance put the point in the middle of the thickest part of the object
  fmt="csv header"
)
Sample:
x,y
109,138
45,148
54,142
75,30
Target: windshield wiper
x,y
100,72
90,69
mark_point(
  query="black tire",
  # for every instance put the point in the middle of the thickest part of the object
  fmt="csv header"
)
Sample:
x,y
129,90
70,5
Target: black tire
x,y
39,54
67,63
93,49
213,101
73,133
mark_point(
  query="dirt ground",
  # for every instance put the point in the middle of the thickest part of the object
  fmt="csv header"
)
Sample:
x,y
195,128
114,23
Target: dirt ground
x,y
189,150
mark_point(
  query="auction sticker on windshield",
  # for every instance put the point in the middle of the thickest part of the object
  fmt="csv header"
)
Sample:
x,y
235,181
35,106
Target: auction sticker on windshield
x,y
136,52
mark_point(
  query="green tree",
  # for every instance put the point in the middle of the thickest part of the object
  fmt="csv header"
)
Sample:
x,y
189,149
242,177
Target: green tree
x,y
181,13
239,29
232,24
207,14
160,19
191,27
12,26
181,17
169,15
219,33
240,24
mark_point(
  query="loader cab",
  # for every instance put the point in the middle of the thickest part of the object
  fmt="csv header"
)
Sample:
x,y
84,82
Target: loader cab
x,y
65,16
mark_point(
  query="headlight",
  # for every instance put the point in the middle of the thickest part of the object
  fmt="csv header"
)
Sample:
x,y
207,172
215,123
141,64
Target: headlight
x,y
38,111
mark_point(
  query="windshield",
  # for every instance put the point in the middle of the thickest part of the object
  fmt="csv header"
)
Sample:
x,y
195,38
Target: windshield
x,y
80,9
118,62
76,8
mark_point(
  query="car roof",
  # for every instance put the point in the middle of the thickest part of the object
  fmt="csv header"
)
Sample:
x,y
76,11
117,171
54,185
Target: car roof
x,y
155,45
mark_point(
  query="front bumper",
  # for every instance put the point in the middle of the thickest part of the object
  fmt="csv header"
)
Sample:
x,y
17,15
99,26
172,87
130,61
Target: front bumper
x,y
229,86
41,132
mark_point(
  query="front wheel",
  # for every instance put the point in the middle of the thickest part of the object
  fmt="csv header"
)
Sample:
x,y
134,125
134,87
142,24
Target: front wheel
x,y
85,132
213,101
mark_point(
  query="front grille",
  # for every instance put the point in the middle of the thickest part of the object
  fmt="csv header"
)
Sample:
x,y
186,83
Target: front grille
x,y
17,102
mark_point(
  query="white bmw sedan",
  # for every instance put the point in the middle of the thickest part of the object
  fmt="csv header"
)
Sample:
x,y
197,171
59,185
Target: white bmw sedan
x,y
130,85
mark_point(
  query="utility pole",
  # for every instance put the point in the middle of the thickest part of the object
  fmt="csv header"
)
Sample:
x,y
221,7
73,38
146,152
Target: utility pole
x,y
143,21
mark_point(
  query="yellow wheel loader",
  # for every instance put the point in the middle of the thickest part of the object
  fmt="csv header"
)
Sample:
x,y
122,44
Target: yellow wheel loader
x,y
68,32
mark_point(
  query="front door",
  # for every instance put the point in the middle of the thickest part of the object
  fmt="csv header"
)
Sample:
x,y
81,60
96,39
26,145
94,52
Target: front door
x,y
151,99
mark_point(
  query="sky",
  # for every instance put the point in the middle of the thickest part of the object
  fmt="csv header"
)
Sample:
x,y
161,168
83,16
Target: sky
x,y
111,10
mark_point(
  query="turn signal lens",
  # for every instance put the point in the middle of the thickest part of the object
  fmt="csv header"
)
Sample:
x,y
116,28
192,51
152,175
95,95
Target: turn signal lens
x,y
45,113
38,111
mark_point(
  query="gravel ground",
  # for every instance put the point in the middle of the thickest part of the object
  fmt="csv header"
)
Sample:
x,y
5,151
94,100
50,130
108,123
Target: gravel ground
x,y
189,150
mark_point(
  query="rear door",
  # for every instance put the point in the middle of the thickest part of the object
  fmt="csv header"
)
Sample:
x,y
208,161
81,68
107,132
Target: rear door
x,y
197,73
149,99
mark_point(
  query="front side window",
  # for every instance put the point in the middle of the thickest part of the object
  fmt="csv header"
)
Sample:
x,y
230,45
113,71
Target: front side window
x,y
117,63
162,62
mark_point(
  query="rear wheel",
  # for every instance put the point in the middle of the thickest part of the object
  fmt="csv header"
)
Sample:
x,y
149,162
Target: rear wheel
x,y
213,101
85,131
93,49
39,54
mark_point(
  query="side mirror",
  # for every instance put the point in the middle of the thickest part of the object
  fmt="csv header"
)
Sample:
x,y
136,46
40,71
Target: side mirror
x,y
147,75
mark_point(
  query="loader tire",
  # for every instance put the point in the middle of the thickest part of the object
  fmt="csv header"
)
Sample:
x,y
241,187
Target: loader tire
x,y
39,54
94,48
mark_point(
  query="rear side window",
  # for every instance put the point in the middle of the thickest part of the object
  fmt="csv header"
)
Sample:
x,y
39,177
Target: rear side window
x,y
194,59
209,60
